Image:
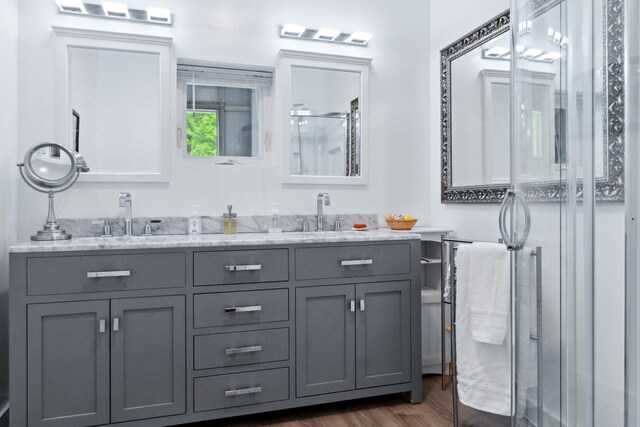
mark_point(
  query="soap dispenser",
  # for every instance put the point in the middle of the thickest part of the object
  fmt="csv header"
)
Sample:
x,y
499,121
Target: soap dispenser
x,y
276,226
229,221
195,222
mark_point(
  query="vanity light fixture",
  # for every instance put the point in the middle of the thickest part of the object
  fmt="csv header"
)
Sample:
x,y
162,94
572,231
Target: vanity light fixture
x,y
359,37
327,34
495,52
549,57
556,37
71,6
331,35
115,10
531,53
292,30
158,14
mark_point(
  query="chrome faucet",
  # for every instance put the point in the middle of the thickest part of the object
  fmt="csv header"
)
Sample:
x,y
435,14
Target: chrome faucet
x,y
125,202
323,198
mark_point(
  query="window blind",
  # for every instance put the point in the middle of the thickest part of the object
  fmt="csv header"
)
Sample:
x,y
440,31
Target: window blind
x,y
225,75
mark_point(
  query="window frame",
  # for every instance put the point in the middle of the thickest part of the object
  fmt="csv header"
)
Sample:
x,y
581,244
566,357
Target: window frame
x,y
263,108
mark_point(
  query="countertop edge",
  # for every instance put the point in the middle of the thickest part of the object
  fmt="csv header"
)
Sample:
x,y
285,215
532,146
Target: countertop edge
x,y
209,240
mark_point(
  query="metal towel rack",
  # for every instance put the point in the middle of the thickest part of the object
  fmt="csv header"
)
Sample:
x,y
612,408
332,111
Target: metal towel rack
x,y
448,248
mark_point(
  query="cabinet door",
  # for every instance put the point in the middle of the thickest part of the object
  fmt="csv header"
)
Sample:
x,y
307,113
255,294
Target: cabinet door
x,y
383,340
325,346
68,364
147,357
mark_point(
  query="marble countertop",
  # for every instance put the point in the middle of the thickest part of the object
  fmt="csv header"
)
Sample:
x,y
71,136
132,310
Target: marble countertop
x,y
210,240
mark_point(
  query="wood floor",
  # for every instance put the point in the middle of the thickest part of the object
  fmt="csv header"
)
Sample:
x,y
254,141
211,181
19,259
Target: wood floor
x,y
387,411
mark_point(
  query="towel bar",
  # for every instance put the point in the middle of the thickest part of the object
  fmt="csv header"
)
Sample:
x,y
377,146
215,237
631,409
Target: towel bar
x,y
448,251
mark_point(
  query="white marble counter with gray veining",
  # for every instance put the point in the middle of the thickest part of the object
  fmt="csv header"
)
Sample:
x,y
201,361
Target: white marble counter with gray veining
x,y
210,240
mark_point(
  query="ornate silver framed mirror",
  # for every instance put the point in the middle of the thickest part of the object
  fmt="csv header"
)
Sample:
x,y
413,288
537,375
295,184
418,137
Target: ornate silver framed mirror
x,y
475,108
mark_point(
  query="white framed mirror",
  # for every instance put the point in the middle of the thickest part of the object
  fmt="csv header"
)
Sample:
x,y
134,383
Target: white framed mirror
x,y
324,118
113,103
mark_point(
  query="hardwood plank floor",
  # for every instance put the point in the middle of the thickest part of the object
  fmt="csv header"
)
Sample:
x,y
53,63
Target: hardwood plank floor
x,y
386,411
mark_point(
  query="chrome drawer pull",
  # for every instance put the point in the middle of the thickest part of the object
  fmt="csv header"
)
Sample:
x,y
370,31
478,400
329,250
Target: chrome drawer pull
x,y
117,273
352,306
240,350
243,309
362,305
357,262
102,328
241,391
252,267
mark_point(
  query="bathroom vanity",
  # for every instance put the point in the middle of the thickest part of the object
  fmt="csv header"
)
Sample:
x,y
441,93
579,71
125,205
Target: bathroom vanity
x,y
166,330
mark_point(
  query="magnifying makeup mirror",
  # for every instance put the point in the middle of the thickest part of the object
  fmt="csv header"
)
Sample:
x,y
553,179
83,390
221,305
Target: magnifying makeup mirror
x,y
51,168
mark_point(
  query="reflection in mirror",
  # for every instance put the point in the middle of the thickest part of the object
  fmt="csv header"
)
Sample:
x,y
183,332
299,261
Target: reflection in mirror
x,y
476,110
49,164
325,117
112,98
480,114
116,97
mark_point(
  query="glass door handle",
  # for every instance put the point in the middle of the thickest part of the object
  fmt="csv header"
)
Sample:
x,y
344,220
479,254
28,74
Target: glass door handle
x,y
510,203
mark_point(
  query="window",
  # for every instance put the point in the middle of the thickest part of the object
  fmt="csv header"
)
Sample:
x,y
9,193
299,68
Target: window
x,y
223,111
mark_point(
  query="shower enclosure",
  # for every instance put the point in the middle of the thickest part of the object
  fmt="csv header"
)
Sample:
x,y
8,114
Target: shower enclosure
x,y
324,144
574,354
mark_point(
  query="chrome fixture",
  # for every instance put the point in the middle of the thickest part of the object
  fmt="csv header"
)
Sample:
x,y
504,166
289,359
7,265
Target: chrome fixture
x,y
51,168
115,10
331,35
323,198
125,202
337,224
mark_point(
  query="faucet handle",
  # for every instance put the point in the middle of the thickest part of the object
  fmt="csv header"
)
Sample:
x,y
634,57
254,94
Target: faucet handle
x,y
147,228
337,224
305,223
148,231
106,228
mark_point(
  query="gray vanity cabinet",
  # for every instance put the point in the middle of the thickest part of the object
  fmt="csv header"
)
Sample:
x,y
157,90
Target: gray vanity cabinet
x,y
68,364
383,334
92,362
166,336
352,337
147,357
325,340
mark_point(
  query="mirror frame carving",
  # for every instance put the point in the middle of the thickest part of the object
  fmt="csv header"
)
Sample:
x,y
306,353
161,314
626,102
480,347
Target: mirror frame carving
x,y
294,58
83,38
609,187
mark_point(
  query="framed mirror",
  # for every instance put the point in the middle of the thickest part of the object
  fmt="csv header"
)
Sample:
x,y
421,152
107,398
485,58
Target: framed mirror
x,y
324,118
114,103
476,111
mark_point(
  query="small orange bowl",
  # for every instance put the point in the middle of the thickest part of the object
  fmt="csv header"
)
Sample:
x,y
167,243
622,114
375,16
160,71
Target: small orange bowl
x,y
401,224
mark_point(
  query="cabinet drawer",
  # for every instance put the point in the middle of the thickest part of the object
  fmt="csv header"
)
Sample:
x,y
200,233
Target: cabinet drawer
x,y
239,308
95,273
352,261
241,389
240,348
231,267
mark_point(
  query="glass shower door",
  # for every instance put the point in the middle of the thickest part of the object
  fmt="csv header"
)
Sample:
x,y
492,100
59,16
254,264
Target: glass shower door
x,y
558,116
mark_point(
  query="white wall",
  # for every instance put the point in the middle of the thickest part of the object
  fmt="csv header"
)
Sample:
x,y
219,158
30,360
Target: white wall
x,y
8,170
247,33
481,223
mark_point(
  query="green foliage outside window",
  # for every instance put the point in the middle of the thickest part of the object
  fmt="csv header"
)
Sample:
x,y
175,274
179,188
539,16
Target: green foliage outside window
x,y
202,134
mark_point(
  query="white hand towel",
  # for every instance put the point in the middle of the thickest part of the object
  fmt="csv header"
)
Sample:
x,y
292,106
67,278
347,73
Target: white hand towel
x,y
483,370
489,292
